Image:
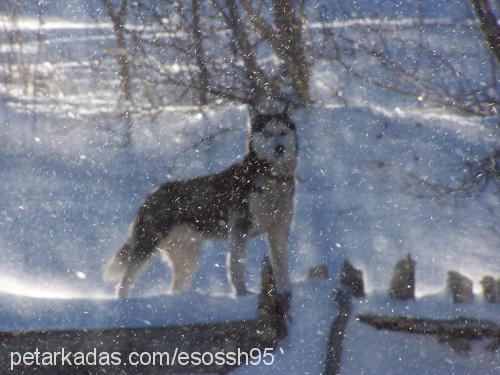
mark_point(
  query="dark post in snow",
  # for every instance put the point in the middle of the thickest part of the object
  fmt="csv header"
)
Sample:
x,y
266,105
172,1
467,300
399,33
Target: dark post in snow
x,y
460,287
489,289
403,280
272,308
353,278
352,285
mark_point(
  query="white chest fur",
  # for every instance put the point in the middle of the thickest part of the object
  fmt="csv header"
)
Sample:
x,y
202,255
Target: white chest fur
x,y
271,205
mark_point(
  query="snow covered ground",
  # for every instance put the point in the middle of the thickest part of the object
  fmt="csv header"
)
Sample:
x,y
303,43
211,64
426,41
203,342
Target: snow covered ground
x,y
68,199
369,176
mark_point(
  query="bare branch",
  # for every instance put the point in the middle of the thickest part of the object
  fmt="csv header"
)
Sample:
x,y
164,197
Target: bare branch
x,y
489,25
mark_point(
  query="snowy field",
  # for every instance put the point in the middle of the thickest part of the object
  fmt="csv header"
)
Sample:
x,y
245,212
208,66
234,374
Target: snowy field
x,y
371,176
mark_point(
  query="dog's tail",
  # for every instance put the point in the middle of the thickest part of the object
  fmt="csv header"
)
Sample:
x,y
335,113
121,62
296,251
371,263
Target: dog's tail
x,y
119,264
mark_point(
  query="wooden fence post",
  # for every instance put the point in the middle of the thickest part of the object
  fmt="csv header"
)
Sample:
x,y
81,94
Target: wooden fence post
x,y
352,278
460,287
352,285
403,279
273,307
489,289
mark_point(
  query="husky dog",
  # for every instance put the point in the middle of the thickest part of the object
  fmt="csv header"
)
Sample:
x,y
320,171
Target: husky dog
x,y
250,198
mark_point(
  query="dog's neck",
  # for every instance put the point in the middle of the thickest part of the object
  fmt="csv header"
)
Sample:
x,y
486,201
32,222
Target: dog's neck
x,y
280,171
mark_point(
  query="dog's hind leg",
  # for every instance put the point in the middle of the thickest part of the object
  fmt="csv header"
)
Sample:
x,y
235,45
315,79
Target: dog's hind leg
x,y
184,262
134,271
181,251
135,257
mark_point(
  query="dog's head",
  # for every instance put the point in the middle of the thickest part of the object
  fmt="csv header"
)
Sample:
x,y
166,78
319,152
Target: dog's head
x,y
273,138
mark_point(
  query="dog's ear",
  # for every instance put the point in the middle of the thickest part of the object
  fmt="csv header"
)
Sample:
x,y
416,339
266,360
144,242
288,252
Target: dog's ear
x,y
285,114
258,121
285,118
254,118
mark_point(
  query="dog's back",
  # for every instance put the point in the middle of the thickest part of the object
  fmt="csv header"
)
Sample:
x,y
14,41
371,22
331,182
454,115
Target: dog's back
x,y
204,204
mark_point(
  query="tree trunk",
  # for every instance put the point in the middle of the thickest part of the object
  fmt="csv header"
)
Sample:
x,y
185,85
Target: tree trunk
x,y
118,19
291,48
489,25
286,40
202,78
254,74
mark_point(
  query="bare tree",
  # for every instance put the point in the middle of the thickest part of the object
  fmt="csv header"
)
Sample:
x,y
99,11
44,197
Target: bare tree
x,y
236,69
17,64
8,36
413,77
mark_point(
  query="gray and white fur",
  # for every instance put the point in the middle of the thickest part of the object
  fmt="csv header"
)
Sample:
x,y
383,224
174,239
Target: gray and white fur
x,y
250,198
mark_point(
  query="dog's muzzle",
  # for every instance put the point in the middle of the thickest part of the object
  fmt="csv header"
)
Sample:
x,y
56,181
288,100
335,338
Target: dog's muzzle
x,y
279,150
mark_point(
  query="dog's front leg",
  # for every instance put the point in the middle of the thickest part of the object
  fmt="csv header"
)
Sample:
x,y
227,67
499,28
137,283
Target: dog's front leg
x,y
236,262
277,236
